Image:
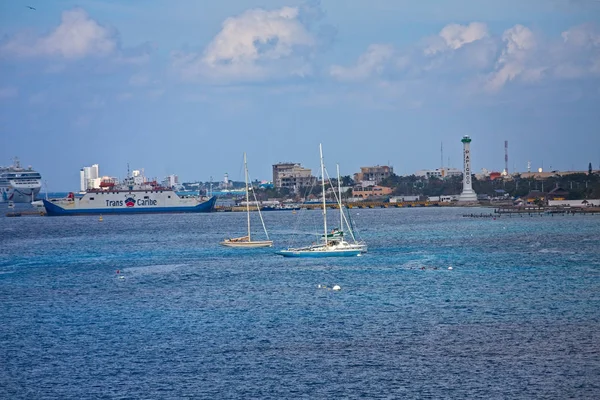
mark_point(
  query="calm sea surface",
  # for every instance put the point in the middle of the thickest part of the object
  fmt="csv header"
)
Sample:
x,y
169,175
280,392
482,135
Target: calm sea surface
x,y
518,316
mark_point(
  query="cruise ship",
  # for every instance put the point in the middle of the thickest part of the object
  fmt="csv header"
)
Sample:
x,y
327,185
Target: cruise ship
x,y
130,197
18,184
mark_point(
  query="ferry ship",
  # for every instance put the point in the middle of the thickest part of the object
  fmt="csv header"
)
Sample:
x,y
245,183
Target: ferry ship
x,y
128,198
18,184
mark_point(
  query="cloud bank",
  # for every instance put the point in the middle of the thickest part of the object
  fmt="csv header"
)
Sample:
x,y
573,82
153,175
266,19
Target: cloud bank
x,y
261,45
484,61
76,37
253,46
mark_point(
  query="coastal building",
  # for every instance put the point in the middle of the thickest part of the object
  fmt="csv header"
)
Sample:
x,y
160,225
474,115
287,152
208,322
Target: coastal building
x,y
535,196
557,193
226,183
374,174
468,194
292,176
171,181
439,173
88,178
370,191
539,175
575,203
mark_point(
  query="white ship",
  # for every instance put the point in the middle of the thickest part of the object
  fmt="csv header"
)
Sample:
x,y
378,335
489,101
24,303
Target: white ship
x,y
133,196
19,185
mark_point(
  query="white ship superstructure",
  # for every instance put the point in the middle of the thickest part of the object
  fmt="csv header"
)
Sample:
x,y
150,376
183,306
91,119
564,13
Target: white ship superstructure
x,y
19,185
135,195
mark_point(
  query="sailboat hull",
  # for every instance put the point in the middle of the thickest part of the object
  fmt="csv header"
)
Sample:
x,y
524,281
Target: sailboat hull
x,y
244,242
247,245
318,253
333,244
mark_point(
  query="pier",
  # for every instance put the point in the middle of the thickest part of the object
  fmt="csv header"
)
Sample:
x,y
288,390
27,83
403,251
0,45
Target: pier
x,y
535,212
498,212
359,205
25,213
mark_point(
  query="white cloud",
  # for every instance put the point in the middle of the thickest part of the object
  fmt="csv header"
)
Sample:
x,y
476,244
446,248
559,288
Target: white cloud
x,y
455,36
582,36
578,55
372,62
455,48
252,46
76,37
515,59
468,60
529,58
8,92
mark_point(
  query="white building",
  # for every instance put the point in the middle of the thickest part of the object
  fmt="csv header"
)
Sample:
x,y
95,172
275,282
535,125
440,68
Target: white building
x,y
575,203
439,173
89,178
171,181
226,183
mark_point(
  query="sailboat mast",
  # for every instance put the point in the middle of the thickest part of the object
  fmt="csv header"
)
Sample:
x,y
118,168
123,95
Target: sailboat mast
x,y
247,197
323,185
340,199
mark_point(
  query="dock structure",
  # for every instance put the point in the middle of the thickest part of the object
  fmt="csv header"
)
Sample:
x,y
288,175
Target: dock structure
x,y
360,205
498,212
25,213
545,211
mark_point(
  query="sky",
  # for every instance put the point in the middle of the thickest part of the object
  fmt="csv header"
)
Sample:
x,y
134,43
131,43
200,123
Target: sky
x,y
186,87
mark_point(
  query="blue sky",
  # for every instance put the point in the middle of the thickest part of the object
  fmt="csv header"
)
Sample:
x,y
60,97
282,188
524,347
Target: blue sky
x,y
186,87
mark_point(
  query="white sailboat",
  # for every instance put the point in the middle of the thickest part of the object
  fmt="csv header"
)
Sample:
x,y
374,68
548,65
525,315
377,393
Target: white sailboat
x,y
356,244
246,242
332,246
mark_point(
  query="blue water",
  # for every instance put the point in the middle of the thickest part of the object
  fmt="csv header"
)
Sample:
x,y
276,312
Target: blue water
x,y
518,316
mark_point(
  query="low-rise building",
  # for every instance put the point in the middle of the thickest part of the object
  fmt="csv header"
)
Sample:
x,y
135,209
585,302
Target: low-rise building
x,y
557,193
575,203
535,195
549,174
439,173
370,191
374,174
292,176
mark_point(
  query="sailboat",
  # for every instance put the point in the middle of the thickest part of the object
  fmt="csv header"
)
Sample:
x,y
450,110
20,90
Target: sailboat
x,y
360,245
246,242
332,246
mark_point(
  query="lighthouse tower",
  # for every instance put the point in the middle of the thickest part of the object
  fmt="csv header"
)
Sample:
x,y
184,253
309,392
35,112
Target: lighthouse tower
x,y
467,195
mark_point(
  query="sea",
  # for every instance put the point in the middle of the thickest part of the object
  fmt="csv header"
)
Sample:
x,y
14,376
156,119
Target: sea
x,y
441,306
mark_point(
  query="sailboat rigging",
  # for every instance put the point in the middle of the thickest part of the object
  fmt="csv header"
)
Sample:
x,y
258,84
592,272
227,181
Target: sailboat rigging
x,y
332,245
246,241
